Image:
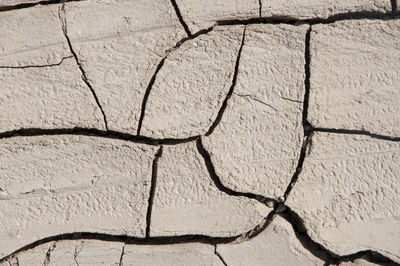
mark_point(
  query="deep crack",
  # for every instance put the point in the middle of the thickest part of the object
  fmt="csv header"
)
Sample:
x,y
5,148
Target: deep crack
x,y
152,190
179,15
219,256
232,87
61,14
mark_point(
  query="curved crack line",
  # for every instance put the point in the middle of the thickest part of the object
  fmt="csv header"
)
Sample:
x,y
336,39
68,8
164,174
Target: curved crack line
x,y
160,240
63,21
158,68
319,251
38,66
110,134
152,190
232,87
180,18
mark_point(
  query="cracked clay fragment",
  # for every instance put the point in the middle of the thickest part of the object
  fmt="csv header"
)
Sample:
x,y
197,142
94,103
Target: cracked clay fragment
x,y
202,14
301,9
188,199
47,98
55,185
187,254
355,76
348,193
120,44
31,37
192,84
277,244
256,145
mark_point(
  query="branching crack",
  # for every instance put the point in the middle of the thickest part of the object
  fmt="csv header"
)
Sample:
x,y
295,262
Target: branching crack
x,y
179,15
78,249
159,66
219,255
255,99
48,253
152,190
38,66
230,92
61,14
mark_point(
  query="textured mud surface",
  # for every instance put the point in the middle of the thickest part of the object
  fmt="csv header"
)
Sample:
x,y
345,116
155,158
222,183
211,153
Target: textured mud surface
x,y
199,132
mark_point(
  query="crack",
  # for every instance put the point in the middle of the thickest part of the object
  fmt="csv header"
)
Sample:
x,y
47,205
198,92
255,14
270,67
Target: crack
x,y
371,15
77,251
394,6
255,99
159,66
122,255
325,254
63,21
152,190
306,125
219,255
179,15
38,66
259,8
110,134
217,182
33,4
48,253
355,132
229,94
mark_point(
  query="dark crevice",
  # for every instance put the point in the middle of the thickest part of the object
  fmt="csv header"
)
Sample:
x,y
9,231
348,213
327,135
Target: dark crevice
x,y
152,190
394,6
217,182
159,66
110,134
306,125
179,15
355,132
219,255
83,73
325,254
259,8
32,4
48,253
161,240
37,66
122,255
295,21
229,94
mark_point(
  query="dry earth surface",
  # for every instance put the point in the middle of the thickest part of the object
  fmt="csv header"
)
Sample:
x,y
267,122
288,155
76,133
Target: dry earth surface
x,y
210,132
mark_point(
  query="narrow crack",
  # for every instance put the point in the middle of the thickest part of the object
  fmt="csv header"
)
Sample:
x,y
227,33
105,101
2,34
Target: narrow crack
x,y
32,4
217,182
179,15
61,15
355,132
122,256
159,66
48,253
306,125
110,134
152,190
38,66
325,254
232,87
219,255
77,251
255,99
259,8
